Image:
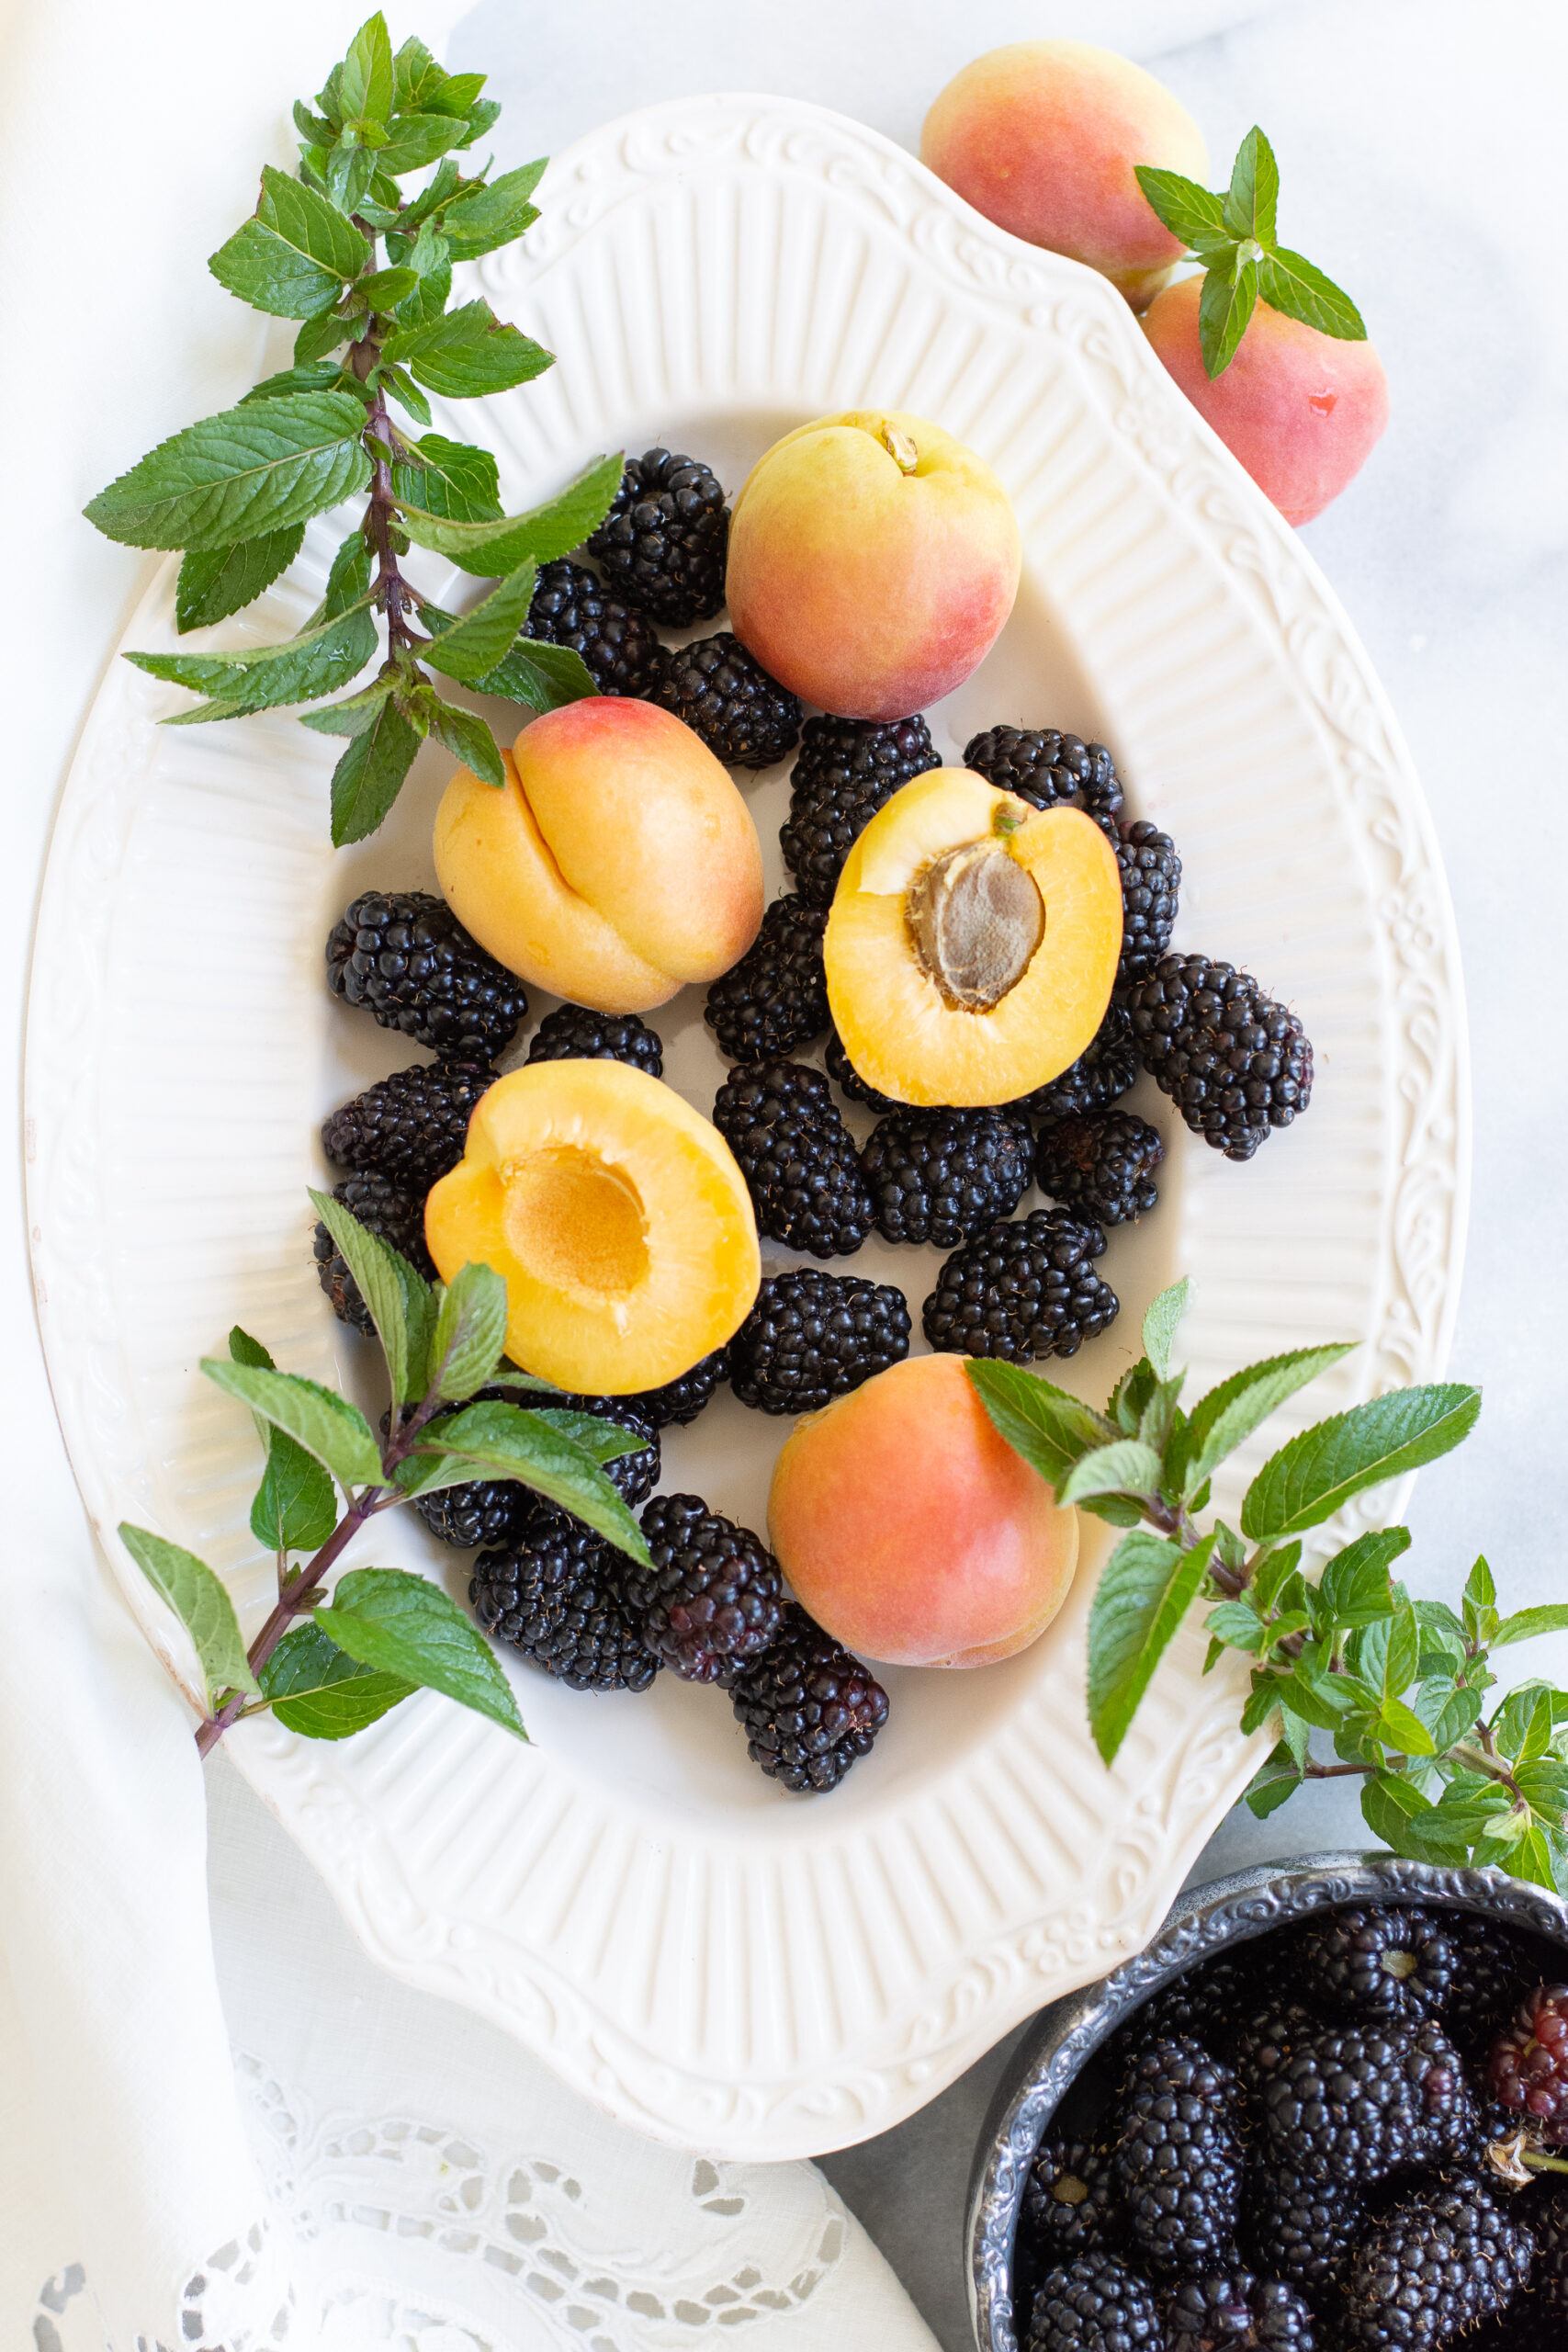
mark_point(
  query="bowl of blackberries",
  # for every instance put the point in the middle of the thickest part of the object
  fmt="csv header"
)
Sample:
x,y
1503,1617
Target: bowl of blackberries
x,y
1325,2110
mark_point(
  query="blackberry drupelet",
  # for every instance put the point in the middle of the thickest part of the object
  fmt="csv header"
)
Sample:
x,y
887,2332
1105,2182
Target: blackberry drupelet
x,y
1101,1163
573,1033
1436,2264
396,1215
1230,2311
571,606
662,544
943,1176
1527,2071
406,957
1547,2214
809,1709
797,1157
1049,770
1378,1961
1095,2303
1198,2004
776,998
555,1595
681,1400
1071,2202
848,769
411,1125
1179,2155
1101,1074
1299,2228
1236,1064
1151,892
843,1072
1023,1290
1263,2039
712,1598
814,1336
724,694
1358,2103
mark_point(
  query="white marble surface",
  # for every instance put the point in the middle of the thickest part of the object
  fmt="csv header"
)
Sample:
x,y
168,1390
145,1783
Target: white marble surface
x,y
1414,139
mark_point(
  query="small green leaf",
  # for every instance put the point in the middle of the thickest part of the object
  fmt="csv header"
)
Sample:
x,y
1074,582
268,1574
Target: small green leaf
x,y
1539,1859
510,1443
1528,1624
417,140
484,217
383,289
427,255
466,353
1272,1785
325,1424
318,337
233,477
293,256
1130,1395
203,1607
220,580
1250,207
1451,1721
1321,1699
434,197
353,714
1295,1736
469,740
295,1508
1123,1467
1160,1325
602,1440
1227,1416
452,480
1144,1591
491,550
1224,308
1236,1626
1189,212
383,1282
1400,1728
319,1692
366,81
371,773
1290,284
260,678
471,1331
348,582
1309,1479
1356,1580
1481,1617
318,376
540,677
473,646
417,78
405,1626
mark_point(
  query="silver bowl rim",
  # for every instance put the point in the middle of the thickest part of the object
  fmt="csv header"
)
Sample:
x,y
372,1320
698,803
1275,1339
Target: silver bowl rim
x,y
1204,1920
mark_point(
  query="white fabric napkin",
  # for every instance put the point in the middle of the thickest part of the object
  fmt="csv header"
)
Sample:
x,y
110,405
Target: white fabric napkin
x,y
370,2166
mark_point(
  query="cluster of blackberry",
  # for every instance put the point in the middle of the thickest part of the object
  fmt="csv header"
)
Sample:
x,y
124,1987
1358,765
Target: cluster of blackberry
x,y
1320,2144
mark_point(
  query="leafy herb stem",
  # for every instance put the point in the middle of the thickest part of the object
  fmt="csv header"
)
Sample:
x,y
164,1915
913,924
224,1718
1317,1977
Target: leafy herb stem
x,y
293,1602
392,591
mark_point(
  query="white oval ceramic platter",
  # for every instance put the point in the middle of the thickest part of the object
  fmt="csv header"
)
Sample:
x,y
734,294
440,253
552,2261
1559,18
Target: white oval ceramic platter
x,y
710,1958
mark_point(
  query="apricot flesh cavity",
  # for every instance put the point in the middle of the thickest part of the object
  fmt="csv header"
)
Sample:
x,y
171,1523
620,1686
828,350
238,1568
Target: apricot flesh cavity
x,y
616,1217
939,1001
912,1530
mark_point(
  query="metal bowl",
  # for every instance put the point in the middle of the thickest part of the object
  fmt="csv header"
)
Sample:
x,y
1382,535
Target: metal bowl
x,y
1229,1911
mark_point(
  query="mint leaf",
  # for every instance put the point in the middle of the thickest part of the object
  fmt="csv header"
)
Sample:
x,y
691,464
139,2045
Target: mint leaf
x,y
417,78
491,550
203,1607
295,1509
325,1424
318,376
260,677
457,483
417,140
382,1277
1355,1583
1250,207
481,117
468,739
1050,1429
355,713
319,1692
1274,1782
1309,1479
466,353
1145,1589
1227,1416
540,677
348,582
237,475
1123,1468
433,198
602,1440
512,1443
382,289
371,773
294,257
364,84
405,1626
220,580
473,646
320,335
1481,1617
398,381
491,215
1289,283
1224,308
1189,212
1161,1323
471,1331
1528,1624
427,255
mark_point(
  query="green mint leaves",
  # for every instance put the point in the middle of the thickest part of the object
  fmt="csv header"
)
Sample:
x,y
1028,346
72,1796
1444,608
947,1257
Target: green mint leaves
x,y
365,268
1233,236
328,1668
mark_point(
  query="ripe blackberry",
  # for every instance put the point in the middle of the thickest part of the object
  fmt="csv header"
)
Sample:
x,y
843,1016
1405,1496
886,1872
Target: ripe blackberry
x,y
1435,2264
809,1709
1071,2201
662,544
555,1596
1527,2071
1023,1290
1151,892
723,693
797,1157
398,1217
1097,2303
1195,2005
814,1336
1496,1965
843,1070
1263,2039
1299,2228
1101,1074
404,955
1378,1961
1049,770
571,606
411,1125
943,1176
1358,2103
848,769
712,1598
1235,1063
776,998
1101,1163
572,1033
682,1399
1179,2155
1230,2311
1548,2216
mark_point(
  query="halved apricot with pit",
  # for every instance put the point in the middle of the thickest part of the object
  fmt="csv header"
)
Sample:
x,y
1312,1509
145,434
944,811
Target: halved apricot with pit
x,y
616,1216
973,941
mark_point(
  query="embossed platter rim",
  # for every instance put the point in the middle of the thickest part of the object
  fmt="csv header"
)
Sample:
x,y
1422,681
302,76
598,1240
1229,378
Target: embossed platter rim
x,y
735,1970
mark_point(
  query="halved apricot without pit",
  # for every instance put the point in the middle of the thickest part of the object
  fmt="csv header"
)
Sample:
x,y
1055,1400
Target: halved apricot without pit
x,y
616,1217
973,941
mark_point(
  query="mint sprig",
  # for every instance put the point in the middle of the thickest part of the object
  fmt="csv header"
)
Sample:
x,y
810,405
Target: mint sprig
x,y
1356,1677
326,1669
1233,236
366,268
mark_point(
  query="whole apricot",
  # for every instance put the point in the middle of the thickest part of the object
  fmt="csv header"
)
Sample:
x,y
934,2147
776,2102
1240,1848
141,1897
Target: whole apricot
x,y
1302,410
911,1530
1042,136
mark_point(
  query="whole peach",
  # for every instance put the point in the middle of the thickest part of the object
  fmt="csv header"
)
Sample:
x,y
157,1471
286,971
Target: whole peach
x,y
873,562
1042,137
616,861
1301,410
911,1530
